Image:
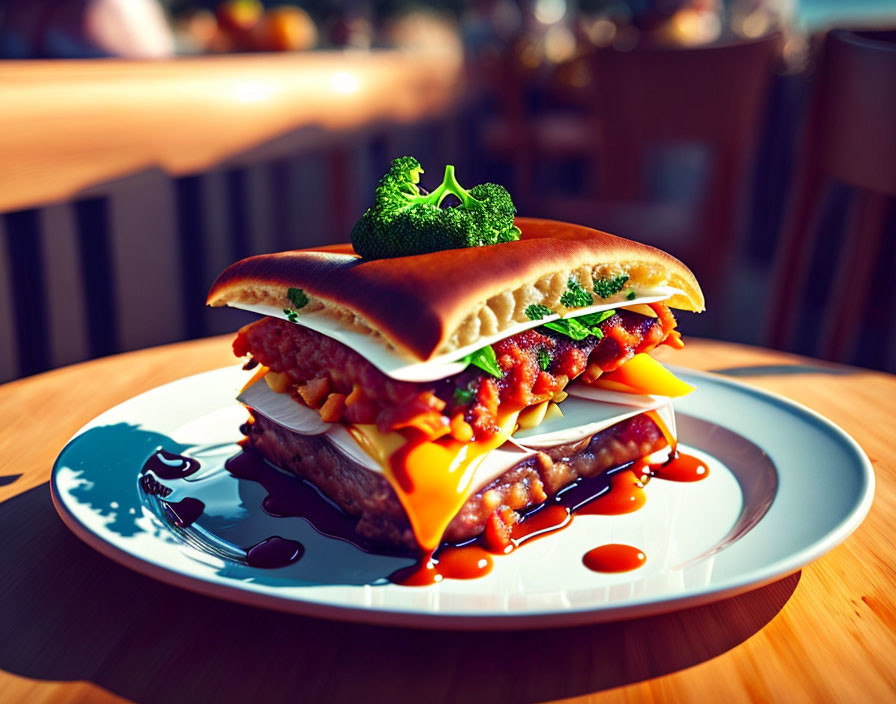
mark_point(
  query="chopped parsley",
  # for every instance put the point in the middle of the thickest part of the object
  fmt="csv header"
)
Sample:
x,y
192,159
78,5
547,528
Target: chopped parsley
x,y
581,327
544,359
631,295
297,297
609,286
536,312
486,360
462,396
575,296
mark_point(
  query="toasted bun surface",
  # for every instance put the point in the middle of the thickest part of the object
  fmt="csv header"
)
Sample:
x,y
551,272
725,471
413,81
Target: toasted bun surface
x,y
435,303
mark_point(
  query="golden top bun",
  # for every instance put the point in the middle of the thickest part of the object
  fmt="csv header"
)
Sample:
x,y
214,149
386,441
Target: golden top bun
x,y
435,303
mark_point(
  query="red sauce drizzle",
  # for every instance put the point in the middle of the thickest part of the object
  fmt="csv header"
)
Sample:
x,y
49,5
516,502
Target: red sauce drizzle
x,y
680,468
618,492
626,495
614,557
466,562
537,524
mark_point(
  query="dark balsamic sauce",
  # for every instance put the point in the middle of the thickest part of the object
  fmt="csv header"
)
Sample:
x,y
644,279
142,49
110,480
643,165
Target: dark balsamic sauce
x,y
185,512
168,465
270,553
274,552
290,496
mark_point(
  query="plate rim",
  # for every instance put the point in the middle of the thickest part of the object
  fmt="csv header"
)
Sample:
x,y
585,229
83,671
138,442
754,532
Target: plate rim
x,y
504,620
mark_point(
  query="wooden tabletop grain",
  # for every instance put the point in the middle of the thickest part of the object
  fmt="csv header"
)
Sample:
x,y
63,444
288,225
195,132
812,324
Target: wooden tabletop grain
x,y
77,627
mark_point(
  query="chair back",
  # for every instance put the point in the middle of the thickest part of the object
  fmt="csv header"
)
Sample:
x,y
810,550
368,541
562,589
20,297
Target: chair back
x,y
711,97
831,295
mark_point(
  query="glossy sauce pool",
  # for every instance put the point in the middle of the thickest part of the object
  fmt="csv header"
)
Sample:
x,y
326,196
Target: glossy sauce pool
x,y
616,492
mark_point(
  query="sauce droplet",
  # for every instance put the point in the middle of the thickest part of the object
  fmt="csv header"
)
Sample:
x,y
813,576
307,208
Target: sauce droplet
x,y
614,557
168,465
274,552
421,574
466,562
680,468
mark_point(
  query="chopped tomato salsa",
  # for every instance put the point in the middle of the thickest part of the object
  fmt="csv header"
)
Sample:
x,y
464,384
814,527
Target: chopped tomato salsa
x,y
537,364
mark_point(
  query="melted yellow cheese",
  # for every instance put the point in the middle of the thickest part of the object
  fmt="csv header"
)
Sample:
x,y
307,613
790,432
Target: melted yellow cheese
x,y
433,479
379,446
642,374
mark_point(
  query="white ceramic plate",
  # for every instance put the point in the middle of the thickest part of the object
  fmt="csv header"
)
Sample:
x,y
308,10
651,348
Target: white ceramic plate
x,y
785,486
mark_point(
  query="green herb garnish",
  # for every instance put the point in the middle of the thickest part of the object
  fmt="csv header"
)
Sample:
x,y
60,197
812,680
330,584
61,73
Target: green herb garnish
x,y
462,396
297,297
544,359
631,295
582,326
536,312
609,286
486,360
570,327
576,296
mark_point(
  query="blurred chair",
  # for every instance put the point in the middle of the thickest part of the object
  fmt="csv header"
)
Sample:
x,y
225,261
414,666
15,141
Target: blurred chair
x,y
705,103
524,135
832,294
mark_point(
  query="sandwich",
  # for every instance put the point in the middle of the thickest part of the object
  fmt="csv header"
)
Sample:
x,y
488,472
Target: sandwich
x,y
439,397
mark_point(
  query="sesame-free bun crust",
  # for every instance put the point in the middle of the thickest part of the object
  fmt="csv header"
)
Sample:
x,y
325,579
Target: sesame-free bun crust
x,y
435,303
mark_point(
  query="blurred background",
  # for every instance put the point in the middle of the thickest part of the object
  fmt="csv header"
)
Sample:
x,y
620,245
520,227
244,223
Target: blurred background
x,y
146,145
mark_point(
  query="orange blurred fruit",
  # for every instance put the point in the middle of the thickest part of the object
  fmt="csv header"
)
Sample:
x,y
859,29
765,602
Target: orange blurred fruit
x,y
239,15
285,29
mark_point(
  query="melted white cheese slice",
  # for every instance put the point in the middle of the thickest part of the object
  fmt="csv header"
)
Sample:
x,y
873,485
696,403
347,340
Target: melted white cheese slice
x,y
404,368
581,418
581,390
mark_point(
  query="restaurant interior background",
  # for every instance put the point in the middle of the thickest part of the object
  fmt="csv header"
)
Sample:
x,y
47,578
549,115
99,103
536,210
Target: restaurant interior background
x,y
147,145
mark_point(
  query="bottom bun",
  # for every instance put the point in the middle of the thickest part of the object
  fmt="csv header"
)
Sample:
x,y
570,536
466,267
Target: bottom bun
x,y
381,520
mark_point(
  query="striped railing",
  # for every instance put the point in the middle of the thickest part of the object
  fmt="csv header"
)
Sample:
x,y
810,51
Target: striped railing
x,y
126,187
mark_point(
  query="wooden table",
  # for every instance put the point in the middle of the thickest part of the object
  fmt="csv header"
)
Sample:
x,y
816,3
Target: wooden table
x,y
75,626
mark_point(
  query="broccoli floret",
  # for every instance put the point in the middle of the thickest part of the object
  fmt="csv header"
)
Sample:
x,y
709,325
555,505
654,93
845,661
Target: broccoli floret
x,y
405,221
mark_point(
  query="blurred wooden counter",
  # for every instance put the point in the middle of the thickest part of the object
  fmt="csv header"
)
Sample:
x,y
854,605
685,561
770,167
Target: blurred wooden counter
x,y
77,627
67,125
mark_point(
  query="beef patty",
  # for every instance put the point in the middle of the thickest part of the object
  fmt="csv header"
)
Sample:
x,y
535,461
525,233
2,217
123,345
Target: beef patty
x,y
381,520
